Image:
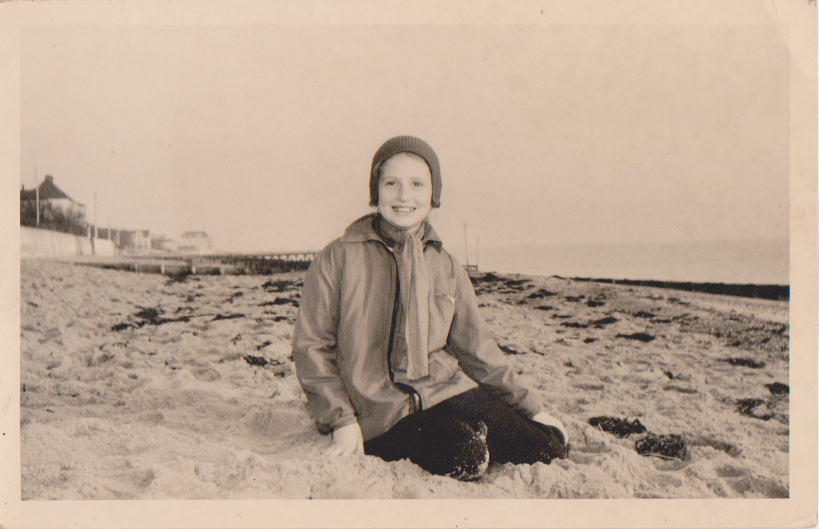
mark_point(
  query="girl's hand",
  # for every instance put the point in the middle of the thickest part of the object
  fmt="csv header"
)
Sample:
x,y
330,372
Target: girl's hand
x,y
347,441
548,420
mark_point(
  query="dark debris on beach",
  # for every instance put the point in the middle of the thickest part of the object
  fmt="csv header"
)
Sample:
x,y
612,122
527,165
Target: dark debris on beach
x,y
618,427
745,362
749,408
148,316
647,443
742,332
279,286
279,368
280,301
664,446
178,277
228,316
775,292
608,320
640,336
540,294
508,350
778,388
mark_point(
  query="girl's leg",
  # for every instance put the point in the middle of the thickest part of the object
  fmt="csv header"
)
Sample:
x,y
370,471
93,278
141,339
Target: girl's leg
x,y
511,437
438,442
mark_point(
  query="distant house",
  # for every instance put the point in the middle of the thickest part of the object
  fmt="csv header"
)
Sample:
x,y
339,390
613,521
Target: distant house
x,y
160,243
107,233
195,242
58,211
50,193
111,234
136,241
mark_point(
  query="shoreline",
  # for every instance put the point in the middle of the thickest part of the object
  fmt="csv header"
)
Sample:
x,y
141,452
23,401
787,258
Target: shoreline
x,y
177,266
745,290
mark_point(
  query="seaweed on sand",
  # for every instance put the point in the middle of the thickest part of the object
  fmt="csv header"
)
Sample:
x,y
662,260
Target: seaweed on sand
x,y
508,350
604,321
778,388
280,301
178,277
618,427
279,368
148,316
542,293
228,316
234,296
748,406
664,446
746,362
517,283
256,360
278,286
489,277
641,336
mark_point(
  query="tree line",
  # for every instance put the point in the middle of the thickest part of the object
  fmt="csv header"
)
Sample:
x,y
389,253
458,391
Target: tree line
x,y
52,218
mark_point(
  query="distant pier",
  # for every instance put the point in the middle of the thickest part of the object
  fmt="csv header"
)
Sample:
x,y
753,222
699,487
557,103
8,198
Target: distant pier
x,y
211,264
257,264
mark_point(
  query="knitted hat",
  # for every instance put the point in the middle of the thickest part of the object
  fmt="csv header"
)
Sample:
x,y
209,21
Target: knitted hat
x,y
412,145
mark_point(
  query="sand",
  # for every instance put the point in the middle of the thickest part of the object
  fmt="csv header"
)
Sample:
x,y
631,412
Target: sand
x,y
138,386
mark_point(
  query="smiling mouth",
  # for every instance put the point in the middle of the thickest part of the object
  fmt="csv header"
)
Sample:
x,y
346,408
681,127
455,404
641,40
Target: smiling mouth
x,y
403,209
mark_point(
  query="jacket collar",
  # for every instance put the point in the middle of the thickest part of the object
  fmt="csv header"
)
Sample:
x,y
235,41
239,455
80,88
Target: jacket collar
x,y
363,230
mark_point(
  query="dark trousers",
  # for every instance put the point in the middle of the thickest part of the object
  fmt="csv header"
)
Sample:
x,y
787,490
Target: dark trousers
x,y
461,435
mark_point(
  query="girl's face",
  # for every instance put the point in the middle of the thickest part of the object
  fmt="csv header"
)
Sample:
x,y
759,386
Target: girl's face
x,y
404,190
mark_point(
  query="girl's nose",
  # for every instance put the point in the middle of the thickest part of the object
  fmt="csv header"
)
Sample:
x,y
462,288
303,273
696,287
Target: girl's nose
x,y
403,191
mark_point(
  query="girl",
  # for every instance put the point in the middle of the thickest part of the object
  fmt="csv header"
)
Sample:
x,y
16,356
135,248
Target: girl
x,y
390,347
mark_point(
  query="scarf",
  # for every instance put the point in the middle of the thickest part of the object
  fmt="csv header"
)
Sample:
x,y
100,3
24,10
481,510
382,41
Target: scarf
x,y
413,278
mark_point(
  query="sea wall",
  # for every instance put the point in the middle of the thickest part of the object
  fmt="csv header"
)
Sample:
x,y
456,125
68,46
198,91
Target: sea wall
x,y
43,244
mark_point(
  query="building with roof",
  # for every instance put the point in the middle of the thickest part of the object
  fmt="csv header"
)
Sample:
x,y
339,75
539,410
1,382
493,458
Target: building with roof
x,y
160,243
57,211
197,242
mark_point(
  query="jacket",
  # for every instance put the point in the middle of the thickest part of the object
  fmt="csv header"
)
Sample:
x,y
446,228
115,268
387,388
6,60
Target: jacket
x,y
346,335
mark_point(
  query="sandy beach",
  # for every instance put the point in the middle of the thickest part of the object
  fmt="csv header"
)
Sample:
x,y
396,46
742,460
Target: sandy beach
x,y
146,386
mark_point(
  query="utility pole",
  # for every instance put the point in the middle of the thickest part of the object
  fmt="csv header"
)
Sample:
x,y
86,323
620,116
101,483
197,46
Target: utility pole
x,y
95,215
466,246
36,186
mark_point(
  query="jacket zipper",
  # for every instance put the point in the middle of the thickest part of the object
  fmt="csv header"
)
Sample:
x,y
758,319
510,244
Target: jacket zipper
x,y
416,404
395,308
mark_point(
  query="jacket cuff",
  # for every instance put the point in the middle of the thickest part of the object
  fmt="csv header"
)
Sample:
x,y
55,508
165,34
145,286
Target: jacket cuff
x,y
344,421
529,414
530,405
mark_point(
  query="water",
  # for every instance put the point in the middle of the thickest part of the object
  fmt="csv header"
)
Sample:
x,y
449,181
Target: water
x,y
738,262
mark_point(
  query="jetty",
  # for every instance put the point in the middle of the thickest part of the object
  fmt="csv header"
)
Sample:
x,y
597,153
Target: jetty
x,y
207,264
178,264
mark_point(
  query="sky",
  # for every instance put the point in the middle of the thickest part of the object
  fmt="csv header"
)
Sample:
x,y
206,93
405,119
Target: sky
x,y
564,134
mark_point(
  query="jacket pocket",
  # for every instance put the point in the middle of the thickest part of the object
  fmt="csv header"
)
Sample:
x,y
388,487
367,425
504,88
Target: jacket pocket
x,y
441,313
442,367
